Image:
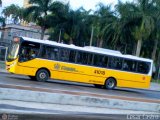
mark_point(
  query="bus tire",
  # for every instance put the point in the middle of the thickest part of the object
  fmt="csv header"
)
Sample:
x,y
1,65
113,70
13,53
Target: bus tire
x,y
110,83
42,75
98,86
32,77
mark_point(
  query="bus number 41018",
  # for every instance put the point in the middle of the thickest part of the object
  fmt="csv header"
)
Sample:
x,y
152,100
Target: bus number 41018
x,y
99,72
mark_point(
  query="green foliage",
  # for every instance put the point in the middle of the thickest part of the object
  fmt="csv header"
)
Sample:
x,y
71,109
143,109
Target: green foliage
x,y
2,22
0,2
15,12
118,29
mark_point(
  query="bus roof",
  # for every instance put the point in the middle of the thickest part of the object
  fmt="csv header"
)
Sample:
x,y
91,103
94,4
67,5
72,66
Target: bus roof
x,y
87,49
103,50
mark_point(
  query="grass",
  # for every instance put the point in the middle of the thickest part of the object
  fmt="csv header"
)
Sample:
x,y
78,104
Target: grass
x,y
156,81
2,65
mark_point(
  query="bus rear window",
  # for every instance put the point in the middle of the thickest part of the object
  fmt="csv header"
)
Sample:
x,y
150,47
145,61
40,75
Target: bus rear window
x,y
143,67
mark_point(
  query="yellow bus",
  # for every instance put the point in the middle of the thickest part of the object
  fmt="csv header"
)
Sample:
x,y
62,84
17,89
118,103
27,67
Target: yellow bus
x,y
44,59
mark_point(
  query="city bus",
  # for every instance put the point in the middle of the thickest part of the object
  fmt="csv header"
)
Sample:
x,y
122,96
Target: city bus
x,y
43,59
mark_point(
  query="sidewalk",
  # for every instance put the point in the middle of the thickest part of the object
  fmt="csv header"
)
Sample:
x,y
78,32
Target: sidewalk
x,y
49,96
3,71
46,108
155,86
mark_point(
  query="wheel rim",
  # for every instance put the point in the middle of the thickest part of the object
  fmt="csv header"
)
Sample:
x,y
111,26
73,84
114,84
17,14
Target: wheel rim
x,y
110,84
42,75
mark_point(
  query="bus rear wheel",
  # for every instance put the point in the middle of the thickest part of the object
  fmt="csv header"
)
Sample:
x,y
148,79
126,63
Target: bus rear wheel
x,y
110,83
42,75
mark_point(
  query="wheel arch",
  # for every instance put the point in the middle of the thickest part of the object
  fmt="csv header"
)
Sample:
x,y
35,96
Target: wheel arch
x,y
44,69
112,78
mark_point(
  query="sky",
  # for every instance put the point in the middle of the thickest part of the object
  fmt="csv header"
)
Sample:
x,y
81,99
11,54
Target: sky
x,y
75,4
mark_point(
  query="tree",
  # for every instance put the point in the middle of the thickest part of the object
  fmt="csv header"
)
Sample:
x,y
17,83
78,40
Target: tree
x,y
72,25
123,26
2,22
15,12
0,2
156,32
2,19
140,16
146,26
102,21
144,12
39,11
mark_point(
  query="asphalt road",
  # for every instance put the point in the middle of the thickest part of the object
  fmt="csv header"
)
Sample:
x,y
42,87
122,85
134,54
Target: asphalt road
x,y
59,115
11,112
41,114
78,87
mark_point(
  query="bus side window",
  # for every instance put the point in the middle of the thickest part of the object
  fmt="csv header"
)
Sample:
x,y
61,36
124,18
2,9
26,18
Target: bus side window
x,y
129,65
72,56
50,53
125,65
81,58
143,67
90,58
100,60
115,63
84,58
64,54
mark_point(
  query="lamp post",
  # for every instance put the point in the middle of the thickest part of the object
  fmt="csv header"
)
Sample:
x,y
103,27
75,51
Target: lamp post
x,y
60,33
91,39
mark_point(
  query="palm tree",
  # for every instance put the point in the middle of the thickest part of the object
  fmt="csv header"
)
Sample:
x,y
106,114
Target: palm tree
x,y
122,28
72,24
15,12
156,32
39,12
2,19
102,21
140,15
0,2
143,31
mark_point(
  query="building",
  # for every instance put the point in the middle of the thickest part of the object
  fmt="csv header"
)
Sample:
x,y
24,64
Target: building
x,y
10,30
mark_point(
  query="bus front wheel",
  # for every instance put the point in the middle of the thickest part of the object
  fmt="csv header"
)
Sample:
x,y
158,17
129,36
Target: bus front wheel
x,y
110,83
42,75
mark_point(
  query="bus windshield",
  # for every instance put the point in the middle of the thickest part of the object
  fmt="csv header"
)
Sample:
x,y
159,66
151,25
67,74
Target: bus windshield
x,y
28,51
13,51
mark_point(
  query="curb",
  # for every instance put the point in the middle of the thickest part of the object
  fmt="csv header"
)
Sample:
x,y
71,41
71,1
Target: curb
x,y
67,99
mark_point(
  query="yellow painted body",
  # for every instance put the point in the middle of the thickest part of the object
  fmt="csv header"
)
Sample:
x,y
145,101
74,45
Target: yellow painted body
x,y
79,73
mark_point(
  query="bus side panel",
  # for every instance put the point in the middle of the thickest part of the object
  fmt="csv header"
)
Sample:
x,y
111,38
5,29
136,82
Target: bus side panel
x,y
131,84
62,71
26,70
78,73
82,73
128,79
77,77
